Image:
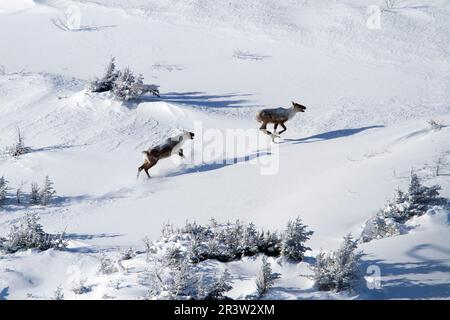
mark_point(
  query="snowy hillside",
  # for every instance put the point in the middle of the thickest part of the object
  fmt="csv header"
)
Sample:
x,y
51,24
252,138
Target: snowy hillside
x,y
370,96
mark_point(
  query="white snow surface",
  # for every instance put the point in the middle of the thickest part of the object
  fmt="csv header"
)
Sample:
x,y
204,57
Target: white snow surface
x,y
369,95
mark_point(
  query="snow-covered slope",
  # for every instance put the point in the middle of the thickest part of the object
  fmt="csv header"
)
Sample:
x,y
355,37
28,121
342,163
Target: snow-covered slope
x,y
369,95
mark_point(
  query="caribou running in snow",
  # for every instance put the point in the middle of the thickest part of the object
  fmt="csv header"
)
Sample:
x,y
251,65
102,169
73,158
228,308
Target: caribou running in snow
x,y
277,116
170,146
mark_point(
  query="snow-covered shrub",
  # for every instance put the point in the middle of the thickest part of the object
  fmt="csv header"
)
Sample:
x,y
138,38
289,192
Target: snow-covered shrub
x,y
223,242
107,265
3,189
19,148
35,195
250,240
29,234
47,192
436,126
265,278
58,294
106,83
390,220
379,227
170,281
338,270
173,256
42,196
127,254
294,238
217,289
123,84
421,197
185,282
80,287
19,194
269,243
148,248
128,86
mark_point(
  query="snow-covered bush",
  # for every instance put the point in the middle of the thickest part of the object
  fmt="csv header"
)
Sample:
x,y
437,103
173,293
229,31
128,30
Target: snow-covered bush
x,y
217,289
265,278
123,84
269,243
379,227
127,254
421,197
294,238
436,126
35,195
338,270
128,86
29,234
42,196
19,148
223,242
107,265
47,192
3,189
58,294
250,240
106,83
185,282
80,287
19,193
173,256
390,220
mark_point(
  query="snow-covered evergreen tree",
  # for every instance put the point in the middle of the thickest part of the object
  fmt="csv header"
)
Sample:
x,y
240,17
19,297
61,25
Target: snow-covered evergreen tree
x,y
19,147
217,290
107,265
47,192
338,270
58,294
294,238
233,239
379,227
29,234
390,220
250,240
421,197
270,243
196,250
19,194
265,278
173,256
35,195
107,81
185,282
128,86
3,189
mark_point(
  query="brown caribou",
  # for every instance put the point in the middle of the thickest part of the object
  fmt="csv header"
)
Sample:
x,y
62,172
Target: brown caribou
x,y
278,116
170,146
